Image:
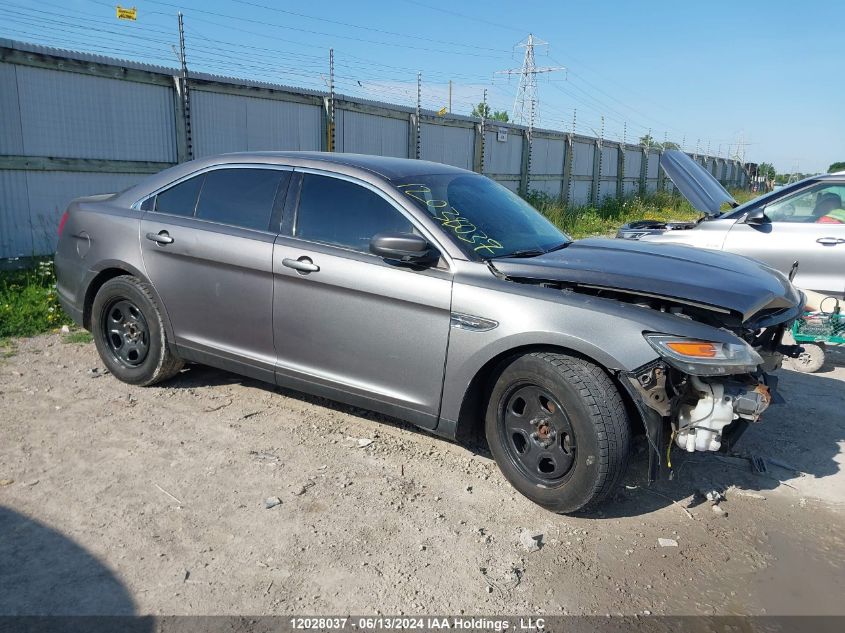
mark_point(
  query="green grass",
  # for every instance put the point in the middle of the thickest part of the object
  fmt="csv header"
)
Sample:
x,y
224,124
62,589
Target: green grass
x,y
608,216
78,337
28,301
605,218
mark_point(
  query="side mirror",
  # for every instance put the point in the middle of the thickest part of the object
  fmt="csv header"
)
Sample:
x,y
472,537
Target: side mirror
x,y
757,217
407,248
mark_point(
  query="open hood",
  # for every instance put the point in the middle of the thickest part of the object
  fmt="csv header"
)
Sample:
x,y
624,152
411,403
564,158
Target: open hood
x,y
723,282
694,182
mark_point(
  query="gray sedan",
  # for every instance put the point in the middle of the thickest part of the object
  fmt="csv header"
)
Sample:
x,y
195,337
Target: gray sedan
x,y
803,222
434,295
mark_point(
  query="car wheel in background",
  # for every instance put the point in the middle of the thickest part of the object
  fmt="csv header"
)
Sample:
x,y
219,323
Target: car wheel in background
x,y
811,359
129,333
558,429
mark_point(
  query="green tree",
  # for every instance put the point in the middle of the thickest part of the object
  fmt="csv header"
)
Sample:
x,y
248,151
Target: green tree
x,y
837,166
647,140
483,111
767,171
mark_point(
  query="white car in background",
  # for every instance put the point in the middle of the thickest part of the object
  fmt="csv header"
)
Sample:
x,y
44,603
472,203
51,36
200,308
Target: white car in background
x,y
803,222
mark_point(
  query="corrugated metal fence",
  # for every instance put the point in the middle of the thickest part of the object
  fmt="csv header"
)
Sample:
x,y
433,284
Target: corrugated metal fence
x,y
74,124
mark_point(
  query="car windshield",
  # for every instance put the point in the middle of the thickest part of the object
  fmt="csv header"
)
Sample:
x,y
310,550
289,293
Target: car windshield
x,y
485,219
766,198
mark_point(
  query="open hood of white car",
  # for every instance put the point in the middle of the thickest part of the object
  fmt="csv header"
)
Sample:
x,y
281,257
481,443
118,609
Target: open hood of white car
x,y
695,183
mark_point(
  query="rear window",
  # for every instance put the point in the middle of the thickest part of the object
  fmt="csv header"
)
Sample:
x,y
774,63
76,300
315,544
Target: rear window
x,y
180,199
240,197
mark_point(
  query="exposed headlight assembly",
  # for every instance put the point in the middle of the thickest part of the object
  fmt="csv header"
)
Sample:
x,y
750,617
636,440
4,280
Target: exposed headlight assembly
x,y
705,358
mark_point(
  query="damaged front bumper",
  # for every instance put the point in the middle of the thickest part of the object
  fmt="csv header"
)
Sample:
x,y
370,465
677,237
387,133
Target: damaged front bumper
x,y
705,411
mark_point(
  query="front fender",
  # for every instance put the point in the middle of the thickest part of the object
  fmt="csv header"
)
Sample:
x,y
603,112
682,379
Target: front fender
x,y
608,332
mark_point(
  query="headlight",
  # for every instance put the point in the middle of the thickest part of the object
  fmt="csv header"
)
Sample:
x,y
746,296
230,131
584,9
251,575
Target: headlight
x,y
705,358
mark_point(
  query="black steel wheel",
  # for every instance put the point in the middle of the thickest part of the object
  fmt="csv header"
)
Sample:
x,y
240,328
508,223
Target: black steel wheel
x,y
129,332
537,434
126,331
558,430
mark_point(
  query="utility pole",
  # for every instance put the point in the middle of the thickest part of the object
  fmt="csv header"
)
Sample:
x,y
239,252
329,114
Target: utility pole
x,y
417,148
330,130
527,93
450,96
186,98
574,118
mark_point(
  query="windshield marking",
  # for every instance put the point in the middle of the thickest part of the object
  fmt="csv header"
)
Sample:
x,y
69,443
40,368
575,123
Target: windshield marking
x,y
462,228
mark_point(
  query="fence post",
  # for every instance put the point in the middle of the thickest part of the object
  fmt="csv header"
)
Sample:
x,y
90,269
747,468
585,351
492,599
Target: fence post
x,y
661,177
412,135
524,163
478,148
620,171
594,193
325,142
643,171
179,121
566,183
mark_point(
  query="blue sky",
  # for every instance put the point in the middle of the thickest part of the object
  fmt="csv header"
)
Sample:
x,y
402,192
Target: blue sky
x,y
712,73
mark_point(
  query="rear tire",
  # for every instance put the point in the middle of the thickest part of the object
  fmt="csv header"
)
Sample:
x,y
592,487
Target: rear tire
x,y
129,333
558,429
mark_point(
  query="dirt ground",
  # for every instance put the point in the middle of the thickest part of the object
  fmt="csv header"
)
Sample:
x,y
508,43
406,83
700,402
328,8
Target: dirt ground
x,y
120,500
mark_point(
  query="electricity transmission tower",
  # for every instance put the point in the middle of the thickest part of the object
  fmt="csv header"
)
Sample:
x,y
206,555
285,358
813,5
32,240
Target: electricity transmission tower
x,y
527,98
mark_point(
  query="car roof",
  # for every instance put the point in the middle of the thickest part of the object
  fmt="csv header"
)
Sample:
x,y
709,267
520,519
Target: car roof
x,y
386,166
364,166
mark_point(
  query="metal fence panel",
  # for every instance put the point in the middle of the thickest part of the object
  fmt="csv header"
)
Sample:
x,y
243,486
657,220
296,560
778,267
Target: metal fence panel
x,y
72,115
371,134
609,166
653,165
607,189
11,136
49,193
513,185
447,144
547,156
581,191
502,157
234,123
582,165
15,230
548,187
633,162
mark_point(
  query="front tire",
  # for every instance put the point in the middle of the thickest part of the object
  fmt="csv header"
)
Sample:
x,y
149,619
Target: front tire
x,y
129,333
558,430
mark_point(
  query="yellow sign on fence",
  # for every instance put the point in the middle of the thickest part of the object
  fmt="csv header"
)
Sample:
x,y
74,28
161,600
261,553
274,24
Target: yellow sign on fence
x,y
127,14
442,112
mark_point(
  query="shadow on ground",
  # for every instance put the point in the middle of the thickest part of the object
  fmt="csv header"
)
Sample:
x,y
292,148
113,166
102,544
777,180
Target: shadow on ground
x,y
44,573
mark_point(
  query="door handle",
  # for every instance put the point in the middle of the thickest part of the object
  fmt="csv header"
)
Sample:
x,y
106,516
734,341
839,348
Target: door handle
x,y
830,241
303,264
162,237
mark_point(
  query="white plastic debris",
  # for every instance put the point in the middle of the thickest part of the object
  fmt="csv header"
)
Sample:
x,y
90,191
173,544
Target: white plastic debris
x,y
531,541
667,542
272,502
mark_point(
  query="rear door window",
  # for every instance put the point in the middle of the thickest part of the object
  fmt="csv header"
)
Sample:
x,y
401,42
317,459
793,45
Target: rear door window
x,y
180,199
241,197
342,213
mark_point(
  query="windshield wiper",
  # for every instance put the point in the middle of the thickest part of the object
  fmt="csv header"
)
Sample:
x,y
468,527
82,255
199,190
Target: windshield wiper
x,y
529,252
533,252
559,246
